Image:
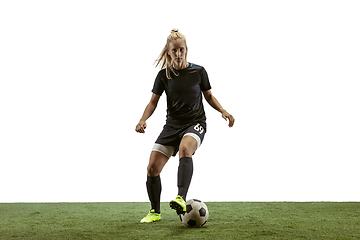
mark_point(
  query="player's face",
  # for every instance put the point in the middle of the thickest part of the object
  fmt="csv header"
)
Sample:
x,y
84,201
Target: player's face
x,y
177,52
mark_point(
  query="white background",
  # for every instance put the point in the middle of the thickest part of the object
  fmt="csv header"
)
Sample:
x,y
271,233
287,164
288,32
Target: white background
x,y
77,75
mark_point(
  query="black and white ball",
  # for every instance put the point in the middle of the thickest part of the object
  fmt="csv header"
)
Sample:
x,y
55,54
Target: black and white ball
x,y
196,214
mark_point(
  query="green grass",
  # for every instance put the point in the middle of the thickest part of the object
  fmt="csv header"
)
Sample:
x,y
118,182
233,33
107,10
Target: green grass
x,y
233,220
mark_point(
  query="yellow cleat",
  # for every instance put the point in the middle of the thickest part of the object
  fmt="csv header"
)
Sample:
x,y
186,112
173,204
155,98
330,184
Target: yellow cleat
x,y
179,205
151,217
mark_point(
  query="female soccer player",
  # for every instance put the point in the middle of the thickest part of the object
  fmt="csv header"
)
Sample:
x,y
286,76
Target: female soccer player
x,y
184,83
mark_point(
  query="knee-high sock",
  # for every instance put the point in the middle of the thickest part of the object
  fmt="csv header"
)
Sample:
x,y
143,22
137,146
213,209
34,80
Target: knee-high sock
x,y
185,172
153,185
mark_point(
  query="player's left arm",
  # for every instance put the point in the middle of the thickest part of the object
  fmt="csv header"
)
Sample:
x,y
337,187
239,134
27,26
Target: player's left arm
x,y
216,105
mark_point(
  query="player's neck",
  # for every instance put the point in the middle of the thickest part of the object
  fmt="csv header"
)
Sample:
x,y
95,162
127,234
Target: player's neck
x,y
181,66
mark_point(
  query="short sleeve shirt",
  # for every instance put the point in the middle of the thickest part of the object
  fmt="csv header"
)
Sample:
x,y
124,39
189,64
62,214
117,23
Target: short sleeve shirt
x,y
184,95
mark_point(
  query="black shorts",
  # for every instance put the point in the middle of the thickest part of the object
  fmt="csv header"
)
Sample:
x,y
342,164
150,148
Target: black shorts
x,y
172,137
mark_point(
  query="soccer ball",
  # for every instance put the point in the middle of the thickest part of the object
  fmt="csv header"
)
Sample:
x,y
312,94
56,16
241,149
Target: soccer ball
x,y
196,214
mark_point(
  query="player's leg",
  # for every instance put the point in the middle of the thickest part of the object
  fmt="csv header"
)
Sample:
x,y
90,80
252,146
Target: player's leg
x,y
191,141
189,144
153,184
187,148
158,158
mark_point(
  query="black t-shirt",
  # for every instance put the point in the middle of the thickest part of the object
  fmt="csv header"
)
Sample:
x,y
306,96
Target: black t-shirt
x,y
184,95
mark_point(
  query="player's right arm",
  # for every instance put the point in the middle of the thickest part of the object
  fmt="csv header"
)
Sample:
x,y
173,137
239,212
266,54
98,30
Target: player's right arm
x,y
149,110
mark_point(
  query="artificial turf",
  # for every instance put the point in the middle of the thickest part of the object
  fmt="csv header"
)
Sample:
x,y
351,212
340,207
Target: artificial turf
x,y
228,220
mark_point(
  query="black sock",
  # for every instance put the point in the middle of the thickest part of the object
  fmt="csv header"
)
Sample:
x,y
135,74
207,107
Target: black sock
x,y
153,185
185,172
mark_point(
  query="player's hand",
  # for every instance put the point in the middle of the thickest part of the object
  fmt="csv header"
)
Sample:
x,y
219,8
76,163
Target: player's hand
x,y
227,116
140,127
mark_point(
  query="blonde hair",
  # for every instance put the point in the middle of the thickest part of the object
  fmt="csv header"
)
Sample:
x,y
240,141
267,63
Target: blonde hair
x,y
164,60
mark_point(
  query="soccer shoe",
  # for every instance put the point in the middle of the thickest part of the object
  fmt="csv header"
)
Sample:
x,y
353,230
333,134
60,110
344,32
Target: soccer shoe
x,y
179,205
151,217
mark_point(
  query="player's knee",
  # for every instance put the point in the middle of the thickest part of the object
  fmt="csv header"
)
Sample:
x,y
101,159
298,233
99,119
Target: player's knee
x,y
185,151
152,171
